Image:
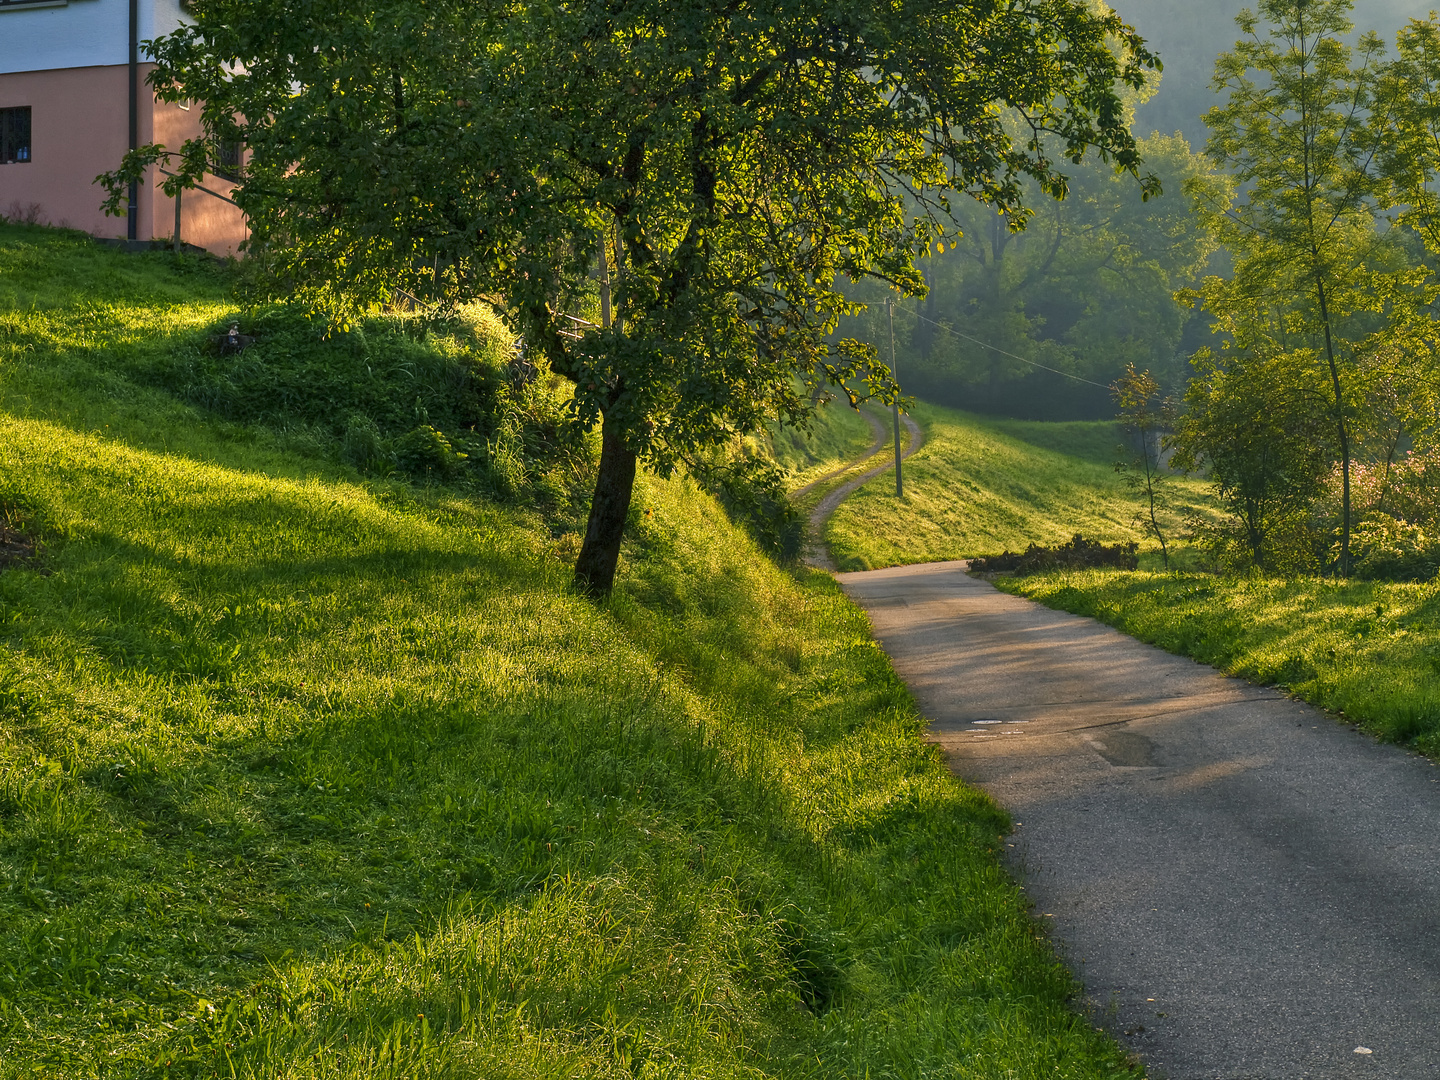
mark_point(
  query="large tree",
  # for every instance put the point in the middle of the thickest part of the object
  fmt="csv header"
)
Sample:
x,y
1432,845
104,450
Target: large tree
x,y
724,163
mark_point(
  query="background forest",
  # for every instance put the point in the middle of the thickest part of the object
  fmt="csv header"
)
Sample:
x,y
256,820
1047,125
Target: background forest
x,y
1088,286
1278,298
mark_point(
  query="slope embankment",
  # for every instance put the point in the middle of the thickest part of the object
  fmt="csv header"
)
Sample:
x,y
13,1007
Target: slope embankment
x,y
315,770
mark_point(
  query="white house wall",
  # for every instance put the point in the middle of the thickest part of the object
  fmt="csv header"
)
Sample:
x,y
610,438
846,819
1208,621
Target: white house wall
x,y
81,33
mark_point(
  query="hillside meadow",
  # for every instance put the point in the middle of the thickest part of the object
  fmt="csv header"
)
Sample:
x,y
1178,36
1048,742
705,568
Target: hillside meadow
x,y
311,768
980,485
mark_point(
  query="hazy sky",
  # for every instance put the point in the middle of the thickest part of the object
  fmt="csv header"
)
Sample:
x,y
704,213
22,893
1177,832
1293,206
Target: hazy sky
x,y
1189,33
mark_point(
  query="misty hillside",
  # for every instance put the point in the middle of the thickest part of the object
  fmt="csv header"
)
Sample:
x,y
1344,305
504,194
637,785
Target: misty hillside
x,y
1188,34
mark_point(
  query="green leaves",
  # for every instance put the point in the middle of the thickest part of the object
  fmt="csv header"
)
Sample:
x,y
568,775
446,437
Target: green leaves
x,y
737,160
1309,131
732,162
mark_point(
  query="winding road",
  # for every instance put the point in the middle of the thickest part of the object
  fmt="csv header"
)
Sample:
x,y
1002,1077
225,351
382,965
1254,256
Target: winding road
x,y
818,554
1247,888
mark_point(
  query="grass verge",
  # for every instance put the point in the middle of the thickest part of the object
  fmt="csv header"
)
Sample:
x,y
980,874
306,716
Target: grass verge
x,y
838,435
1367,650
980,485
304,775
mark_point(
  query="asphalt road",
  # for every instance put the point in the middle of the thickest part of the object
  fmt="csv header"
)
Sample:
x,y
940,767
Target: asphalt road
x,y
819,555
1246,887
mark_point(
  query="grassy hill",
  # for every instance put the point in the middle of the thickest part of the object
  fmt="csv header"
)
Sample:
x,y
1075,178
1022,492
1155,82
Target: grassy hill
x,y
980,485
312,767
837,436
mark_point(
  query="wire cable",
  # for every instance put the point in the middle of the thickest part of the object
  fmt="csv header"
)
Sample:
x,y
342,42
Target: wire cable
x,y
1011,355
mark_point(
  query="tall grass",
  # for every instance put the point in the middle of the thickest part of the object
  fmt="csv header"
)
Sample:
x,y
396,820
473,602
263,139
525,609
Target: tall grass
x,y
308,775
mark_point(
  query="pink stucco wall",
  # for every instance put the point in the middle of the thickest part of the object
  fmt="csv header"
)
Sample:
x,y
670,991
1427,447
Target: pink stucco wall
x,y
79,129
205,221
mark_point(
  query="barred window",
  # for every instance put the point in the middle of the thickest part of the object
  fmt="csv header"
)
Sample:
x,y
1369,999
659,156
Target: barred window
x,y
229,163
15,135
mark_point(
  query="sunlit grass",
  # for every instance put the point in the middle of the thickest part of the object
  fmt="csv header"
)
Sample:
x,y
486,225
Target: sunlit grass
x,y
1370,650
838,434
979,486
307,776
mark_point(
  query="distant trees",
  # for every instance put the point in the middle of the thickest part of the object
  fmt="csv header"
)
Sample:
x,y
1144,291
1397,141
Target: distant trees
x,y
1086,286
722,165
1145,417
1326,314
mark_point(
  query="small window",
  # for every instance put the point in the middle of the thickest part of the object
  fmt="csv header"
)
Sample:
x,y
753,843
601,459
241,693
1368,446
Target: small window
x,y
229,163
15,135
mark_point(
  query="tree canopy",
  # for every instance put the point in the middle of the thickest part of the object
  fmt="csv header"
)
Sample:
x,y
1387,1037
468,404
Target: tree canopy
x,y
723,165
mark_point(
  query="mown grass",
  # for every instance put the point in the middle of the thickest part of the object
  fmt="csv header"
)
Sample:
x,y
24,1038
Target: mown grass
x,y
980,485
1368,650
305,775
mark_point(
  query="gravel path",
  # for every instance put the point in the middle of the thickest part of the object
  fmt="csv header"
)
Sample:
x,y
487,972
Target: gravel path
x,y
1248,888
877,434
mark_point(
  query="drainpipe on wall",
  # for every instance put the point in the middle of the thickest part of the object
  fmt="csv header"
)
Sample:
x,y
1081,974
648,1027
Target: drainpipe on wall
x,y
132,230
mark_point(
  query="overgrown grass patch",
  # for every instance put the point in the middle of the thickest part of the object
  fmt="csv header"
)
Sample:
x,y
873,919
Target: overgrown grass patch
x,y
1368,650
304,774
979,486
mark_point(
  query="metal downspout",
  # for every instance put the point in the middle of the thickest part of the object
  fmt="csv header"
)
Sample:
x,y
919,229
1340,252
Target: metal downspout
x,y
132,228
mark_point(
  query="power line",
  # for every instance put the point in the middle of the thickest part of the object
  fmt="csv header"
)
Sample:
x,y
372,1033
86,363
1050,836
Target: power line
x,y
1012,356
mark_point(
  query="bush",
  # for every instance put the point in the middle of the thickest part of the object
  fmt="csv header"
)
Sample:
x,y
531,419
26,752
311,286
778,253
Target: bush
x,y
425,452
1077,554
753,493
436,401
1388,549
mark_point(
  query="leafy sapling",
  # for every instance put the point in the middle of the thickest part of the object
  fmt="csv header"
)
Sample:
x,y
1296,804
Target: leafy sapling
x,y
1145,416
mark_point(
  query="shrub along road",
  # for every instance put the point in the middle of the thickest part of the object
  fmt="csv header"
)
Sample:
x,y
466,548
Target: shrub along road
x,y
1246,887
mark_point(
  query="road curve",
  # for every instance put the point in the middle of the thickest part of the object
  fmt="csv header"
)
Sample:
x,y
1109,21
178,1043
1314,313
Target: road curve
x,y
819,555
877,433
1246,887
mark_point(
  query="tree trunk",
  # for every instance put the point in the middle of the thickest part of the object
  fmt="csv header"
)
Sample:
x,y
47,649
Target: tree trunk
x,y
1344,432
595,568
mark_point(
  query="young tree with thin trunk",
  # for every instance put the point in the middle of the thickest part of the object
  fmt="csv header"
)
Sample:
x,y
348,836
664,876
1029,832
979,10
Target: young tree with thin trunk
x,y
732,161
1300,132
1145,416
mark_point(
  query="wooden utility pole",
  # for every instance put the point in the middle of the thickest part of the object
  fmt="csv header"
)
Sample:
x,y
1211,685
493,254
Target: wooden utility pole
x,y
895,408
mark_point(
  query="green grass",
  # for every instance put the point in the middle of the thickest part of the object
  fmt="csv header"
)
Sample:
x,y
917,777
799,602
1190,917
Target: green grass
x,y
1367,650
837,435
979,485
306,775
